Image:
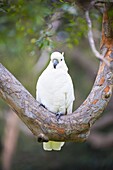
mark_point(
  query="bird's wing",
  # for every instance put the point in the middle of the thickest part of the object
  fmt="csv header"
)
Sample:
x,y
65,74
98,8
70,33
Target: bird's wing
x,y
69,95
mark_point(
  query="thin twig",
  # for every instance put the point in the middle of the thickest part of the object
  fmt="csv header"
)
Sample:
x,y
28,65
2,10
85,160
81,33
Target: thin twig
x,y
91,40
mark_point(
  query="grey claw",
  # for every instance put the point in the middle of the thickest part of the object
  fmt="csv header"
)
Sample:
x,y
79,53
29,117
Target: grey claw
x,y
58,115
42,105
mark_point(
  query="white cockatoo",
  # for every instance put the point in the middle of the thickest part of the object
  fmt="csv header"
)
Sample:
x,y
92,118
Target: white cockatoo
x,y
55,92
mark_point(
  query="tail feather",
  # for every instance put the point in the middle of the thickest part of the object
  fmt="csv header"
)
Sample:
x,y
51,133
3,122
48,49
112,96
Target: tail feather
x,y
52,145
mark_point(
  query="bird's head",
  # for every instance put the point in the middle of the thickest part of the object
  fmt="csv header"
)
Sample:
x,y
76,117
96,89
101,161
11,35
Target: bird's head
x,y
57,60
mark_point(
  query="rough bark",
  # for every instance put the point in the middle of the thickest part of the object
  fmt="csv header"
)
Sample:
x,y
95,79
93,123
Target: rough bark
x,y
73,127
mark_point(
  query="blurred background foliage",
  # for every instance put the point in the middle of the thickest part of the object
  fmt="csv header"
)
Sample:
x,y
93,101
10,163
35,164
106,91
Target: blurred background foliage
x,y
28,31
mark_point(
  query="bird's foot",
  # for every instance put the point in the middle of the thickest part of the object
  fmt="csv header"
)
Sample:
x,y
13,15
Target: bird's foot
x,y
59,114
42,105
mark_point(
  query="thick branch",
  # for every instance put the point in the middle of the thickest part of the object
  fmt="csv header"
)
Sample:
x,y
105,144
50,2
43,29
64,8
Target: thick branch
x,y
42,123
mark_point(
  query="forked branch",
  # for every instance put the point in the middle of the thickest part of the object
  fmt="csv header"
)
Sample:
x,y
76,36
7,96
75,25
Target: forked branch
x,y
72,127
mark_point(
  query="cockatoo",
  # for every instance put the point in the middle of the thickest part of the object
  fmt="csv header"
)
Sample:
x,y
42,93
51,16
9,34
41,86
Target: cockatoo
x,y
54,91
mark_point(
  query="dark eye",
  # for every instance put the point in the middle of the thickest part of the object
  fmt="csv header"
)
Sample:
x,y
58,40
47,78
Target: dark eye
x,y
61,59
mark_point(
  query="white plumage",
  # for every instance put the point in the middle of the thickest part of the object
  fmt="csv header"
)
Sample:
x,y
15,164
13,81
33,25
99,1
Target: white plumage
x,y
55,91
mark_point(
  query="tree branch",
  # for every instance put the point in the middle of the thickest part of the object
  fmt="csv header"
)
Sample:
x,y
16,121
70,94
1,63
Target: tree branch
x,y
91,40
42,123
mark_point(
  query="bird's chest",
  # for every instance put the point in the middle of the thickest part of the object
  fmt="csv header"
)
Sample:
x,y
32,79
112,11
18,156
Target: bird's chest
x,y
52,89
54,82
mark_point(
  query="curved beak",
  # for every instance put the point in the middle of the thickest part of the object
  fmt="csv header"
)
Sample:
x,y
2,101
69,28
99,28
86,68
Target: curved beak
x,y
55,62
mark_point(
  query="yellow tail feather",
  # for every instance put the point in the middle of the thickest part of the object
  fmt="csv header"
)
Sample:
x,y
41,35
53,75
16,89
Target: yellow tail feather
x,y
52,145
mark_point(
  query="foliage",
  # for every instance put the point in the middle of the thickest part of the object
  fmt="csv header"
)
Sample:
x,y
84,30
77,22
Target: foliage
x,y
25,24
